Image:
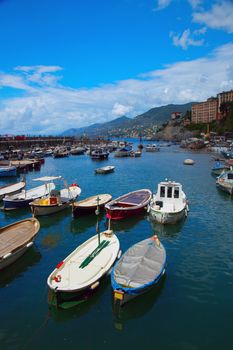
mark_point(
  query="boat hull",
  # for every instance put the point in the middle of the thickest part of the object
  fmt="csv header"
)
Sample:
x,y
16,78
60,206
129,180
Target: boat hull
x,y
42,210
226,189
13,257
8,173
123,213
16,204
167,217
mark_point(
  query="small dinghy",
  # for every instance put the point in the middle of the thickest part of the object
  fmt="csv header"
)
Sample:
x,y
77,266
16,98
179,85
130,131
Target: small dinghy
x,y
189,162
129,204
225,182
11,189
89,205
105,169
169,204
15,239
78,275
56,200
138,270
23,198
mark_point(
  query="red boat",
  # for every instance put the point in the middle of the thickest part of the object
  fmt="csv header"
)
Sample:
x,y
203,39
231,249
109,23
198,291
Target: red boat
x,y
129,204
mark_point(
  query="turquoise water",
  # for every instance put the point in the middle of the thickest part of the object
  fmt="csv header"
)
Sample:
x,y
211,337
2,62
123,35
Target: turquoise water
x,y
191,309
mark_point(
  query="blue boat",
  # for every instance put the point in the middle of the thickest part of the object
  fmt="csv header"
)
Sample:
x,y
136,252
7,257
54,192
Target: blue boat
x,y
23,198
6,171
138,270
219,167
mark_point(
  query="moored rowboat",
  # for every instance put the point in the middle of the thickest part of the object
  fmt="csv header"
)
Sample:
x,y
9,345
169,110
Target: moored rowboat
x,y
11,189
138,270
89,205
80,272
129,204
15,239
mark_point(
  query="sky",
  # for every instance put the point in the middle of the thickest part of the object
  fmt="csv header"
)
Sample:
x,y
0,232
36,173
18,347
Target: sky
x,y
71,63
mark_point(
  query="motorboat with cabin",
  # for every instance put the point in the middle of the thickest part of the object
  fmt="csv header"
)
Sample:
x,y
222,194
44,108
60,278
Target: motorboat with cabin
x,y
225,182
169,203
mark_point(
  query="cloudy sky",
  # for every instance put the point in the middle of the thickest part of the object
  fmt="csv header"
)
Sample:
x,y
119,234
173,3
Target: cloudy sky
x,y
72,63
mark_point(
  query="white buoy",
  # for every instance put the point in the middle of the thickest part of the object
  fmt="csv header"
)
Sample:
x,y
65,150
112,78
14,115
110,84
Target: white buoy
x,y
189,162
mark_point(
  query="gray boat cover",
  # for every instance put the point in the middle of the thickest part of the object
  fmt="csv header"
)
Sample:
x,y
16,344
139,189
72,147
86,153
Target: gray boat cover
x,y
141,264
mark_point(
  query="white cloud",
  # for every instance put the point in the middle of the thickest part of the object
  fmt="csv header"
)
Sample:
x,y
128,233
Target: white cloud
x,y
52,109
120,110
195,3
185,39
219,17
161,4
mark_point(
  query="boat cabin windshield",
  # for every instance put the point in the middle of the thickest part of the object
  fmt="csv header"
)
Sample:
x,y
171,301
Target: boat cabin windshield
x,y
230,176
169,192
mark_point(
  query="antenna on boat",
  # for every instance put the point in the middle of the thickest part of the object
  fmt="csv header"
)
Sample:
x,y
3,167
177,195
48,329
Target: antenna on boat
x,y
97,221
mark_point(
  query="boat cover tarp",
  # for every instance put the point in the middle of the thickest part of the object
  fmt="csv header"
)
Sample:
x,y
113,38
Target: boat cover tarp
x,y
140,266
135,198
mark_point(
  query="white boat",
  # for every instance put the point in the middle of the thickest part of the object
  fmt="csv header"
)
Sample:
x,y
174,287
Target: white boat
x,y
80,272
169,204
105,169
11,189
225,182
16,239
189,162
152,148
23,198
56,200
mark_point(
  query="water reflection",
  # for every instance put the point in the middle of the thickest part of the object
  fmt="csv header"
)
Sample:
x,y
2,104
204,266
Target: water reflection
x,y
83,223
166,231
127,224
27,260
137,307
63,315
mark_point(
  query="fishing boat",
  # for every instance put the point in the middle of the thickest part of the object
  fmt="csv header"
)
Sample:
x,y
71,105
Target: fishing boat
x,y
225,182
152,148
138,270
89,205
99,154
123,152
129,204
60,153
77,276
56,200
7,171
11,189
16,239
219,167
23,198
169,204
105,170
77,151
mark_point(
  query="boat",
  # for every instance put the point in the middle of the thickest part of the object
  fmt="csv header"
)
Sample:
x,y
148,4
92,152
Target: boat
x,y
152,148
56,200
99,154
129,204
169,204
135,154
89,205
225,182
138,270
105,170
77,151
23,198
7,171
189,162
77,276
219,167
16,239
123,152
11,189
60,153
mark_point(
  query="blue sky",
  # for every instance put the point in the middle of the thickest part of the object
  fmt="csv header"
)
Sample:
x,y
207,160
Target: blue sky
x,y
73,63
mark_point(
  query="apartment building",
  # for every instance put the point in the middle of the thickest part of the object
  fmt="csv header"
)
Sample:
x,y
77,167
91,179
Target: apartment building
x,y
225,96
205,112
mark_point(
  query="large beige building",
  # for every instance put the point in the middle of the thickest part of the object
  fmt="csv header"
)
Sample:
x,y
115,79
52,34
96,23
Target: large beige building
x,y
205,112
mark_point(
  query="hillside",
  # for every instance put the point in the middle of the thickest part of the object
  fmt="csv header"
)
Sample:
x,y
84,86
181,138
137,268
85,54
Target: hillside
x,y
124,126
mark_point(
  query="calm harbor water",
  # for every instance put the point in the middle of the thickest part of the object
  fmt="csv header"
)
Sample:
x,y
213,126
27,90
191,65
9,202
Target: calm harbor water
x,y
192,307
